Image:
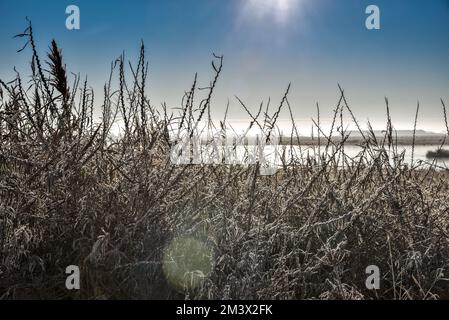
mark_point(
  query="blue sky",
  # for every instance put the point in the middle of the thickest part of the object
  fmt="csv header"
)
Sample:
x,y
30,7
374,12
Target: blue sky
x,y
314,44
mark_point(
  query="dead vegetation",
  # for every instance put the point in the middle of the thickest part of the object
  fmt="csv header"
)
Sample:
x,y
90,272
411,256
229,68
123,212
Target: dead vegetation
x,y
73,194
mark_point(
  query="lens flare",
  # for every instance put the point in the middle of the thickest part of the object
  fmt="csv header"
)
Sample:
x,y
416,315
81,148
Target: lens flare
x,y
187,263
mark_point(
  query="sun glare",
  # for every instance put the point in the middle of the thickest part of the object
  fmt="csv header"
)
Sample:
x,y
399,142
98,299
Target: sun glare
x,y
279,11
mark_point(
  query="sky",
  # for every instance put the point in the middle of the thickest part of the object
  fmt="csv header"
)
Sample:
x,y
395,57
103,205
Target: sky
x,y
267,44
